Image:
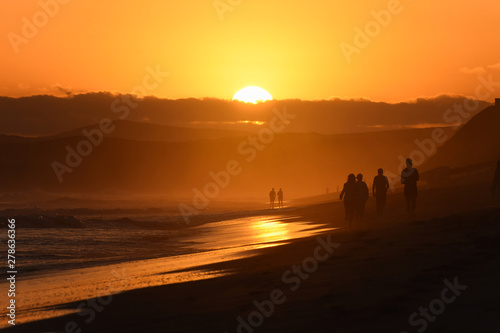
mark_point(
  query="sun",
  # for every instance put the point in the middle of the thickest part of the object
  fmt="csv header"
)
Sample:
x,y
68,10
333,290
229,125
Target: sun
x,y
252,95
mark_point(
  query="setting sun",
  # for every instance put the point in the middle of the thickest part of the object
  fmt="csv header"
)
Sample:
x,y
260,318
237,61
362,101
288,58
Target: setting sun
x,y
252,95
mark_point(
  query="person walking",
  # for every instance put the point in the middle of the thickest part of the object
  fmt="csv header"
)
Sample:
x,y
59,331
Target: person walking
x,y
272,197
363,194
350,193
379,189
410,177
280,198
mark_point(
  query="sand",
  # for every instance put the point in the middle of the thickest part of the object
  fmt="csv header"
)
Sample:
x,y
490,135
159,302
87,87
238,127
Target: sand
x,y
376,277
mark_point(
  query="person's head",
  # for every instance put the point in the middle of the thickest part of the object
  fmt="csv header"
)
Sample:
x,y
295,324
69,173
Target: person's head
x,y
273,188
351,178
380,171
359,177
409,162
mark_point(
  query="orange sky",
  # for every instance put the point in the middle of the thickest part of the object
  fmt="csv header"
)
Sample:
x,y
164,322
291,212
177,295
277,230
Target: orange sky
x,y
290,48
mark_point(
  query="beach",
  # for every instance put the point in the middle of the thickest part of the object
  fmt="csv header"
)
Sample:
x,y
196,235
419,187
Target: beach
x,y
370,278
250,166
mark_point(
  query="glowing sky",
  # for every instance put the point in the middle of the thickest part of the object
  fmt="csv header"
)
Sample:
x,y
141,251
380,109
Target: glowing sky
x,y
292,49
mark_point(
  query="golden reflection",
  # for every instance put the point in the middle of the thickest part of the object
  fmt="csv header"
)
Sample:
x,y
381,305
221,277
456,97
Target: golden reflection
x,y
270,231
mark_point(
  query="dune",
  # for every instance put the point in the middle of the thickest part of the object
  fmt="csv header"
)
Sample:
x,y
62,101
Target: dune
x,y
470,155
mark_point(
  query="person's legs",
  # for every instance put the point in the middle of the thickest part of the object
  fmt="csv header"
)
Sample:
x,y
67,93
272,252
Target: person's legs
x,y
349,212
352,213
379,205
408,204
413,205
361,212
382,203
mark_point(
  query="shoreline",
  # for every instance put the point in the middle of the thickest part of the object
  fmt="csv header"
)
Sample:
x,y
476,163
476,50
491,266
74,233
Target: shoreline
x,y
367,284
401,263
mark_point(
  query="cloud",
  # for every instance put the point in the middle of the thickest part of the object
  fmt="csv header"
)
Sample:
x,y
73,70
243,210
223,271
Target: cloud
x,y
495,66
60,90
475,70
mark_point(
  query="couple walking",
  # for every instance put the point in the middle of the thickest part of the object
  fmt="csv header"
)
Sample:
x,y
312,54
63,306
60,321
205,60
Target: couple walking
x,y
355,194
272,198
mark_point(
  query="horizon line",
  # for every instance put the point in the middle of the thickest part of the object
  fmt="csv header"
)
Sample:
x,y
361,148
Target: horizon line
x,y
330,99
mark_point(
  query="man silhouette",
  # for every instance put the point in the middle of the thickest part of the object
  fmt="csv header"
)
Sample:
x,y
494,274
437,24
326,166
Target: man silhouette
x,y
363,195
409,177
379,189
280,198
495,188
272,197
350,193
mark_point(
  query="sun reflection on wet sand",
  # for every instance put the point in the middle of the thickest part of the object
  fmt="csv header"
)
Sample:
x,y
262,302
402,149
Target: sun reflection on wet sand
x,y
215,242
259,230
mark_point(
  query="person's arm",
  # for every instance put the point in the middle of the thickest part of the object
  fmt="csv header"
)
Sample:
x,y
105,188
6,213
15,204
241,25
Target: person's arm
x,y
387,185
373,187
342,193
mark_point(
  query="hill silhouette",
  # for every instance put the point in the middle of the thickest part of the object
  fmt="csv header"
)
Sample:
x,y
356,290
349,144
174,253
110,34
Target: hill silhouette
x,y
471,153
303,164
49,115
139,131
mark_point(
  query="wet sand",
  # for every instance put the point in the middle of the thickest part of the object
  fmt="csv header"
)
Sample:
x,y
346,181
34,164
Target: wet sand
x,y
43,291
377,275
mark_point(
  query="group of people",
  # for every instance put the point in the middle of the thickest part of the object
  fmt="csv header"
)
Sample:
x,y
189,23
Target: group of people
x,y
272,198
355,192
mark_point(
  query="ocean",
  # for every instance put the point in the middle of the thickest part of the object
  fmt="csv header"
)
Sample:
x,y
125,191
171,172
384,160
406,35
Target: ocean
x,y
66,259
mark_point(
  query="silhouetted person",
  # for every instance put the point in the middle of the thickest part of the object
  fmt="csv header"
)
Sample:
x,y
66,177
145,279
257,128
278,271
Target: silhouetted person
x,y
363,195
280,198
409,177
379,189
272,197
350,193
495,188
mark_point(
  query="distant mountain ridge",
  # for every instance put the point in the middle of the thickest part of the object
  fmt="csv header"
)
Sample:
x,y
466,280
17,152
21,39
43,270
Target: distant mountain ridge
x,y
49,115
140,131
301,163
